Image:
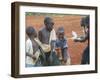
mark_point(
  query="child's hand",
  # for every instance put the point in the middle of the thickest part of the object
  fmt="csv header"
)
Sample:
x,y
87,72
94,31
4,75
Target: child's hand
x,y
34,58
59,53
58,50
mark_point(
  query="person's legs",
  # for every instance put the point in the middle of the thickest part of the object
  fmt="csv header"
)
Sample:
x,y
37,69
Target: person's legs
x,y
85,56
64,56
39,63
47,59
55,59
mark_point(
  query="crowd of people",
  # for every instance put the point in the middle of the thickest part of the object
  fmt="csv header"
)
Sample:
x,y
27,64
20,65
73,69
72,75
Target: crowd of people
x,y
49,47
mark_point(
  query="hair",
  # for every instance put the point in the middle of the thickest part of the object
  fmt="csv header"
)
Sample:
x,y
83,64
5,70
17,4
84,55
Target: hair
x,y
60,30
47,19
31,31
85,21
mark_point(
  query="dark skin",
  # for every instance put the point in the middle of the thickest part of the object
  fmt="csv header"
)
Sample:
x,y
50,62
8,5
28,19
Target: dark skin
x,y
44,35
85,25
49,24
61,35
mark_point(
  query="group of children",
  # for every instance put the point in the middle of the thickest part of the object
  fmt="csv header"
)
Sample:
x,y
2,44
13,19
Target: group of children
x,y
49,47
40,51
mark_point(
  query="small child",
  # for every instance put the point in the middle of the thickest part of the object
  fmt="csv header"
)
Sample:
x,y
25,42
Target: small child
x,y
32,51
61,45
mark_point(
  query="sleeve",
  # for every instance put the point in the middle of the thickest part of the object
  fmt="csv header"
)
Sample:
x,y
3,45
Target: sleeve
x,y
27,48
65,44
57,44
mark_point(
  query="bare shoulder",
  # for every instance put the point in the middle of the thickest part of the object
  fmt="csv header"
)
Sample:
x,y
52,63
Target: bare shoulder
x,y
41,29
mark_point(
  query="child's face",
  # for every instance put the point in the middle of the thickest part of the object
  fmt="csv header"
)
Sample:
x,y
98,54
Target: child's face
x,y
49,25
61,35
34,35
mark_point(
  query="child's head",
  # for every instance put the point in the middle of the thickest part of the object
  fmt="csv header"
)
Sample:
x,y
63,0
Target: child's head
x,y
31,32
60,33
48,21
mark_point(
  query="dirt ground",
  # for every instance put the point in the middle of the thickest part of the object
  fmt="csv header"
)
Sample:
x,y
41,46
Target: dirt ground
x,y
70,23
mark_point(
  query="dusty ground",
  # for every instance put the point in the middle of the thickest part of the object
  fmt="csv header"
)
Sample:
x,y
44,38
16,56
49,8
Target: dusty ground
x,y
70,23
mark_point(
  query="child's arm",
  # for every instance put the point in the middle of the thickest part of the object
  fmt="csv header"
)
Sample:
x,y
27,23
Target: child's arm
x,y
40,36
28,46
65,48
31,55
82,39
45,47
65,52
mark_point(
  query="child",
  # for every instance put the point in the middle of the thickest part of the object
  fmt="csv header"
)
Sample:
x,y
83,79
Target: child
x,y
61,45
32,52
35,49
45,36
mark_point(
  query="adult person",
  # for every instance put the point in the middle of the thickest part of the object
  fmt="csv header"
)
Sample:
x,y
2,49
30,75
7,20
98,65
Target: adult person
x,y
85,25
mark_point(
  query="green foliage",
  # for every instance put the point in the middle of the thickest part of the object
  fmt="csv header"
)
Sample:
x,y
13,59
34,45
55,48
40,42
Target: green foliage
x,y
49,14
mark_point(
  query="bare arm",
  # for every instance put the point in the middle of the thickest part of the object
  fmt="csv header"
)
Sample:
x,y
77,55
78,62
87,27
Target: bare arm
x,y
30,55
40,36
82,39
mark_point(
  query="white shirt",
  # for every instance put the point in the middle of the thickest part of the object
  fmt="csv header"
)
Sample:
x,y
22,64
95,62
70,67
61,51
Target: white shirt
x,y
29,50
52,36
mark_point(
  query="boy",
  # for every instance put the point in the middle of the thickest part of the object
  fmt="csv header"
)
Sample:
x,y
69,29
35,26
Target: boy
x,y
61,45
31,47
34,49
45,36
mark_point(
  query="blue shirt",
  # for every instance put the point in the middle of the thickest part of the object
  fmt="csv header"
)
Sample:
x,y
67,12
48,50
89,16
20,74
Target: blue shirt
x,y
61,43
